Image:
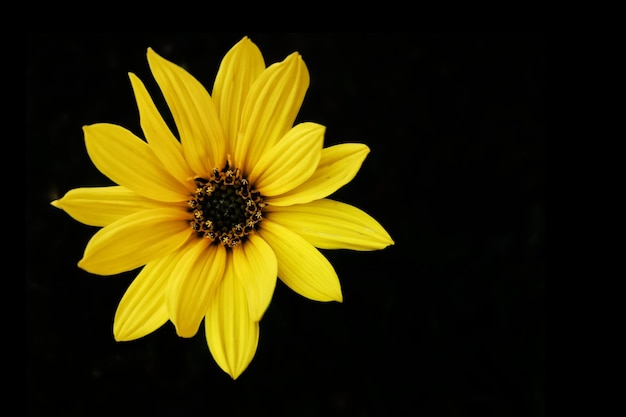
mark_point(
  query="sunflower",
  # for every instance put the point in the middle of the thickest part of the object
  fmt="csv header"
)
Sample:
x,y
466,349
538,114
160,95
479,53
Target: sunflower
x,y
217,211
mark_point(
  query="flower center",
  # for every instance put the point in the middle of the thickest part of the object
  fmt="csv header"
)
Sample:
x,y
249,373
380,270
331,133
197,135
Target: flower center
x,y
225,209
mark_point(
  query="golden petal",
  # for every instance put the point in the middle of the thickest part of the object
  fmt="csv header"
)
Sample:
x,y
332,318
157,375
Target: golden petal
x,y
256,269
193,284
338,166
161,139
135,240
194,113
231,336
270,109
300,265
129,161
101,206
329,224
291,161
142,309
240,67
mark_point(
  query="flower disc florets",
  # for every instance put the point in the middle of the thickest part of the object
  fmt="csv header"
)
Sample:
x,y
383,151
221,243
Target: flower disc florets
x,y
225,209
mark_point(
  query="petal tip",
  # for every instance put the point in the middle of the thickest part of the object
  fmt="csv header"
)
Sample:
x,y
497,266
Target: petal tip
x,y
87,266
388,240
119,336
152,55
88,128
186,333
81,264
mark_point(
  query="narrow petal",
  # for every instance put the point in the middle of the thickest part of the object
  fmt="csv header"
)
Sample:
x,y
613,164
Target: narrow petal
x,y
101,206
129,161
240,67
135,240
192,285
291,161
338,166
256,269
142,308
302,267
161,139
194,113
270,109
231,336
329,224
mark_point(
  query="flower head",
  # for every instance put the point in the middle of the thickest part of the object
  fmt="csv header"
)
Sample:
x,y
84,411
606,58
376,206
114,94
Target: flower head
x,y
217,214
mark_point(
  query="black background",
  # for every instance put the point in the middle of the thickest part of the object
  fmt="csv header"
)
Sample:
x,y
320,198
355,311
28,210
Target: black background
x,y
449,321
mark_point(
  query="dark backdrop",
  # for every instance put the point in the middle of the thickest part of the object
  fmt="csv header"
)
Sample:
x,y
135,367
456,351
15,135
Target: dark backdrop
x,y
448,322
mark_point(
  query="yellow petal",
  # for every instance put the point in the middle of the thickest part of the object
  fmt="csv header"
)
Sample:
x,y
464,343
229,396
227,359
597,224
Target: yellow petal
x,y
302,267
238,70
129,161
142,308
135,240
192,285
291,161
338,166
101,206
329,224
161,139
231,336
270,109
194,113
256,270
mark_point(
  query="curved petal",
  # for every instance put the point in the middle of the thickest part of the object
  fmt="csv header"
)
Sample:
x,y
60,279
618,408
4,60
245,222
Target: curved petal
x,y
338,166
237,72
291,161
129,161
142,309
302,267
101,206
135,240
194,113
193,284
270,109
256,269
330,224
231,336
161,139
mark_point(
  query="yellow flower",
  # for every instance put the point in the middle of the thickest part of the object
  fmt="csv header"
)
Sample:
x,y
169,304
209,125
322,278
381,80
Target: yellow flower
x,y
218,214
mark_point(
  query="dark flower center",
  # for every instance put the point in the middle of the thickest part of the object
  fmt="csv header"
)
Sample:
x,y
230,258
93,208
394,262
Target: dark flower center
x,y
224,208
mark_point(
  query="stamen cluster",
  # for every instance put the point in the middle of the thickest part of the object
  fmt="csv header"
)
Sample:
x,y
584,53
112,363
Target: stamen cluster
x,y
225,209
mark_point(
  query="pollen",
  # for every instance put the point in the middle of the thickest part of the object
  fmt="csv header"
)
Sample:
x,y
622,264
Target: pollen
x,y
224,208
